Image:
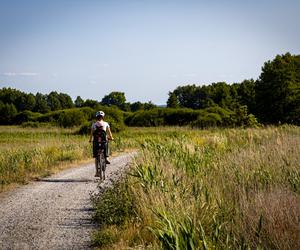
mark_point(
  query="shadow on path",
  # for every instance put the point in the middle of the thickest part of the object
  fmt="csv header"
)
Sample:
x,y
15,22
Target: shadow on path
x,y
66,180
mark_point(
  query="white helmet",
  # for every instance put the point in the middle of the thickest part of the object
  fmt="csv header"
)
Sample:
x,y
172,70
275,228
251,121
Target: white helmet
x,y
100,113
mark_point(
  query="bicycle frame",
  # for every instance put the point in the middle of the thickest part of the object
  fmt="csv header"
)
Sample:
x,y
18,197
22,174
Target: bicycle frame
x,y
101,163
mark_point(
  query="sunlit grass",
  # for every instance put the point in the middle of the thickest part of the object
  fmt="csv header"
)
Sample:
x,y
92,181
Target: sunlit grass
x,y
27,153
215,189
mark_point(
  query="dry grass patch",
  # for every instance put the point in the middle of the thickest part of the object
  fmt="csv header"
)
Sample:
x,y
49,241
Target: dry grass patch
x,y
272,219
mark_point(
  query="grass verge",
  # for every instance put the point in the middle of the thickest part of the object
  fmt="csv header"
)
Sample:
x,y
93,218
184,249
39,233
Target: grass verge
x,y
212,189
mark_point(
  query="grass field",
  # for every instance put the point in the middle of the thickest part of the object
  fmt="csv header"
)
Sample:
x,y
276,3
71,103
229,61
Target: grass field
x,y
27,153
188,189
206,189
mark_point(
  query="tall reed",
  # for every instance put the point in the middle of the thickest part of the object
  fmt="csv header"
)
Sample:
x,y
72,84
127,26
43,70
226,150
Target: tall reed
x,y
216,189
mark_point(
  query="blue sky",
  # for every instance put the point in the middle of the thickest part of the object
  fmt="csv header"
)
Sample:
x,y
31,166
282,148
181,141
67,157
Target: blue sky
x,y
144,48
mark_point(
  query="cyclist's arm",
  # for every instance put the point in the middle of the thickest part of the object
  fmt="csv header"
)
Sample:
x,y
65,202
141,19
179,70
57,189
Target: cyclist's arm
x,y
91,135
109,133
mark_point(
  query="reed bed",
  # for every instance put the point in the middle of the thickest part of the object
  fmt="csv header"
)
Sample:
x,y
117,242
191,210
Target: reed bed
x,y
213,189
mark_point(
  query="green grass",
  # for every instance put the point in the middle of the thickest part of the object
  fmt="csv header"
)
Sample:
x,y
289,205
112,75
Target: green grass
x,y
28,153
188,189
213,189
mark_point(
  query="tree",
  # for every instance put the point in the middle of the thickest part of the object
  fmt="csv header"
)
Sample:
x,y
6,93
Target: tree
x,y
149,105
78,102
41,105
278,90
115,98
246,94
53,101
90,103
172,101
65,101
186,96
29,102
8,112
136,106
221,94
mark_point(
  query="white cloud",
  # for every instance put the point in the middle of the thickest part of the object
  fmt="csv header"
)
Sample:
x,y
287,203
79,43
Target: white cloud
x,y
19,74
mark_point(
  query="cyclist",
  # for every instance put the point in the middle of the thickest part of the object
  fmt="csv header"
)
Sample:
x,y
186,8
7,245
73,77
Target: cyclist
x,y
100,124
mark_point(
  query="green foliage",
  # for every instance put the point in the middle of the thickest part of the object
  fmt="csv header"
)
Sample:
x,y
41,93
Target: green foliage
x,y
41,105
150,118
78,102
104,238
26,116
85,129
117,99
115,205
218,189
71,118
53,101
172,101
208,120
26,153
246,94
278,90
90,103
8,113
209,117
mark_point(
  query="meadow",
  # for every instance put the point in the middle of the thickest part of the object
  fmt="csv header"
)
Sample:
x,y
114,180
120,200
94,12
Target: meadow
x,y
187,188
29,153
206,189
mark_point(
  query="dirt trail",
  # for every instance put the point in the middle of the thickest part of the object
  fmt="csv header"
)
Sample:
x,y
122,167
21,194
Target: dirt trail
x,y
55,212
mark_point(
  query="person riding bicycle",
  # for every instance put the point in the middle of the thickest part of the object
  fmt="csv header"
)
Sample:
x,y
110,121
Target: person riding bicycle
x,y
101,125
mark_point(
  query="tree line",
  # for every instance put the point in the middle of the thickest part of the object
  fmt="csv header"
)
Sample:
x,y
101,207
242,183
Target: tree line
x,y
13,101
273,98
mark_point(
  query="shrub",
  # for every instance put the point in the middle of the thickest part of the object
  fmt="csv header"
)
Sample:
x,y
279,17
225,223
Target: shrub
x,y
71,118
8,113
85,128
180,116
150,118
27,116
114,206
207,120
104,238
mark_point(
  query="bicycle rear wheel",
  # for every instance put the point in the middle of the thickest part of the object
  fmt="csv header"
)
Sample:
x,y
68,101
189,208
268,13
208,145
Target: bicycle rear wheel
x,y
102,165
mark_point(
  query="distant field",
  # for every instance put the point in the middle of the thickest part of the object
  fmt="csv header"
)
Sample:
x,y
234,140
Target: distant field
x,y
207,189
26,153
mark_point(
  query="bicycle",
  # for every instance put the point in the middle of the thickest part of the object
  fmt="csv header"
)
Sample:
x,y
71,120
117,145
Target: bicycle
x,y
101,161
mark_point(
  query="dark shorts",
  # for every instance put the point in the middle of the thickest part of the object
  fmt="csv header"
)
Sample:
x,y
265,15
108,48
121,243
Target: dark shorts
x,y
97,146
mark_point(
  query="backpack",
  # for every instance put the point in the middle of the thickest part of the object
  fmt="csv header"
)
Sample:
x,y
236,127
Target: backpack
x,y
99,134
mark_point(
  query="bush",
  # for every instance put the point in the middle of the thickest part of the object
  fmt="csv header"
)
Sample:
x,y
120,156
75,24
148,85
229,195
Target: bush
x,y
203,118
104,238
27,116
85,128
114,206
71,118
180,117
8,113
150,118
208,120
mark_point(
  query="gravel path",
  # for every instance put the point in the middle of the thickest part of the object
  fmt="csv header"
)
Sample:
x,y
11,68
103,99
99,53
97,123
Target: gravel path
x,y
55,212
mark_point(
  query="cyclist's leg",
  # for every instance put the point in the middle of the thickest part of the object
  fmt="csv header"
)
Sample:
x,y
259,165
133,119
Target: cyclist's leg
x,y
106,153
96,166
